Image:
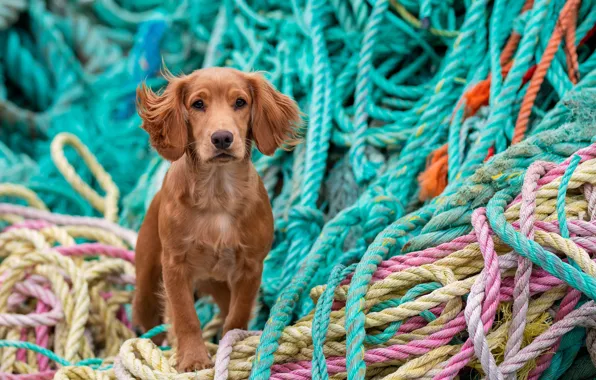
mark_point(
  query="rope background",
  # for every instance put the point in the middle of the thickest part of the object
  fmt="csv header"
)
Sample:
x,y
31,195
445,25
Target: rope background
x,y
437,220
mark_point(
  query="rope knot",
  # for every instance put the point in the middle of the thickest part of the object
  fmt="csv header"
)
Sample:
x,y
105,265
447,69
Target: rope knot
x,y
305,220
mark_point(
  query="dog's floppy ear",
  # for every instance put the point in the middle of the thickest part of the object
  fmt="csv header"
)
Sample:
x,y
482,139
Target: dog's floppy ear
x,y
163,118
275,117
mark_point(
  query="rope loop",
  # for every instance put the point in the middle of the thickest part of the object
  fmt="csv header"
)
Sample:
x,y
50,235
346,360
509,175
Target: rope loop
x,y
107,205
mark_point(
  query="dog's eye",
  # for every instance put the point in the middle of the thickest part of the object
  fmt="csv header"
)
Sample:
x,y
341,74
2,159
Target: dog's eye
x,y
240,103
198,105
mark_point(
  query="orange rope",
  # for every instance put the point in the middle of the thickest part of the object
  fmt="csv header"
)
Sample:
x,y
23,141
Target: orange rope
x,y
571,49
527,6
478,96
434,179
566,17
510,48
491,152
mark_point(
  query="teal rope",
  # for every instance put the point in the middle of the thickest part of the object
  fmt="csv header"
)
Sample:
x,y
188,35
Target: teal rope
x,y
532,250
499,118
410,295
453,217
453,147
581,369
361,12
376,252
35,348
562,193
496,76
156,331
95,362
321,320
570,343
363,169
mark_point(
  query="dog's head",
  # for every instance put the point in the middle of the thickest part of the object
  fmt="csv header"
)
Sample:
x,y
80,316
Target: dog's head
x,y
214,114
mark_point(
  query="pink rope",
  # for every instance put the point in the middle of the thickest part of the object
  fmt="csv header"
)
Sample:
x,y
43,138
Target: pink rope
x,y
521,291
226,345
42,337
49,318
583,233
21,353
48,310
123,317
94,249
479,315
586,154
44,375
378,355
30,213
490,288
567,305
584,316
29,224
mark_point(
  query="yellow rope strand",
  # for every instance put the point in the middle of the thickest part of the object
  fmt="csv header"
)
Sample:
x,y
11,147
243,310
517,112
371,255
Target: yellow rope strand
x,y
107,205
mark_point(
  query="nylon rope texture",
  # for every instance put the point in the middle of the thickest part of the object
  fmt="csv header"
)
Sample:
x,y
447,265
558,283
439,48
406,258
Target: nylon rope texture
x,y
436,222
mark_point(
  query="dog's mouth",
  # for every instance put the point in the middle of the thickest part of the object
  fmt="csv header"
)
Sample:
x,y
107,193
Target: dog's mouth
x,y
222,157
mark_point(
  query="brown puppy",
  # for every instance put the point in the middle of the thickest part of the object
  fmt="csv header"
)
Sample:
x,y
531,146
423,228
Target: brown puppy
x,y
210,226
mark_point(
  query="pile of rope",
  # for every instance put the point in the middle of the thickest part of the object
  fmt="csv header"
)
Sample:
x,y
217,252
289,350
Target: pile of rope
x,y
398,213
513,296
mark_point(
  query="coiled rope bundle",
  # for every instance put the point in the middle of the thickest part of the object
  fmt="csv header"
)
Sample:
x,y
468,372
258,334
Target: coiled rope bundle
x,y
406,100
471,302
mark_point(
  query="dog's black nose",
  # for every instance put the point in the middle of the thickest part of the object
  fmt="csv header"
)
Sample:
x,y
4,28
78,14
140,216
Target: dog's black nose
x,y
222,139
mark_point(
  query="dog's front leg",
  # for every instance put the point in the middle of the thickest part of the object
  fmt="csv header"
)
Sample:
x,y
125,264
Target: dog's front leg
x,y
244,292
191,351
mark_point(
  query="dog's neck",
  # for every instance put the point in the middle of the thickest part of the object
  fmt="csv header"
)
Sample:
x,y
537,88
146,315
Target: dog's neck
x,y
210,186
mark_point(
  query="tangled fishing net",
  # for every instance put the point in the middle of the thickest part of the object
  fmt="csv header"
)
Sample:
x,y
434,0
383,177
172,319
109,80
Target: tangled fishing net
x,y
439,219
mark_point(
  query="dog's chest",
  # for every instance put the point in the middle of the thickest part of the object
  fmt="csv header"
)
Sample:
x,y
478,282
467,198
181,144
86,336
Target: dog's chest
x,y
216,239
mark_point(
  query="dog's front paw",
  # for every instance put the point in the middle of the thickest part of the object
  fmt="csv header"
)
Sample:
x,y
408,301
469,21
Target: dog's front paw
x,y
193,360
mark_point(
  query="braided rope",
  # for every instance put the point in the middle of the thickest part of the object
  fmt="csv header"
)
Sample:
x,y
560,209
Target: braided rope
x,y
495,272
424,340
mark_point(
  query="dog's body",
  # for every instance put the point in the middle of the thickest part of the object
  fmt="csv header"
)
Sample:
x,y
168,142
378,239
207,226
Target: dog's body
x,y
210,226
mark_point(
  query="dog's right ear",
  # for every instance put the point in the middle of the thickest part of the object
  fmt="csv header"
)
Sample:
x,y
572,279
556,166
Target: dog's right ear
x,y
163,118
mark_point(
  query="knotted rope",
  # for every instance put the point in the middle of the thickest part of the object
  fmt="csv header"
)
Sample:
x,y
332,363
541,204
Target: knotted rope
x,y
419,308
385,83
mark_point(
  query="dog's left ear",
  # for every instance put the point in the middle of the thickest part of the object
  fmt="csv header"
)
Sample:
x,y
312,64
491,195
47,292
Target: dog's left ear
x,y
275,117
